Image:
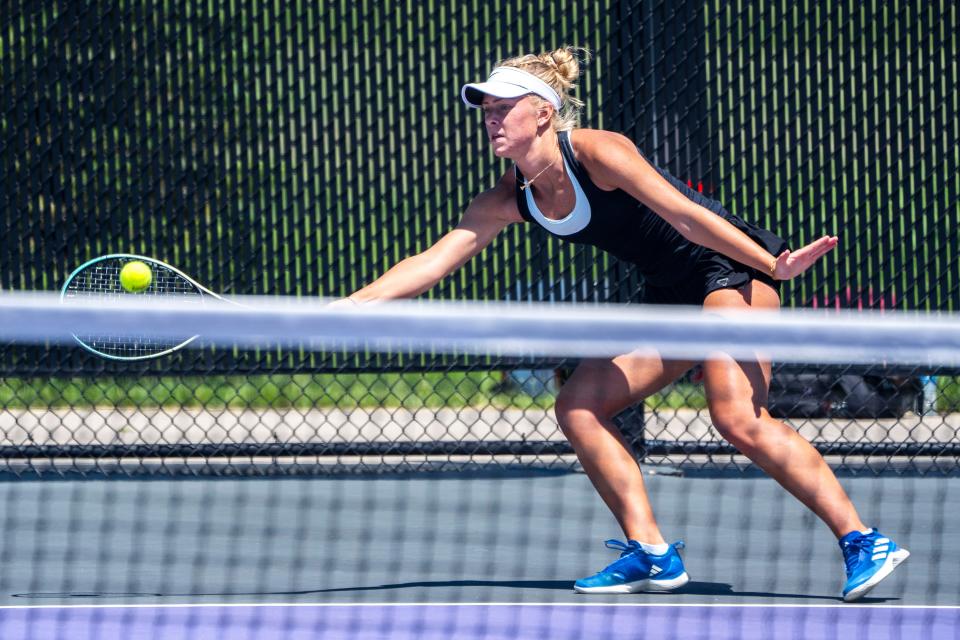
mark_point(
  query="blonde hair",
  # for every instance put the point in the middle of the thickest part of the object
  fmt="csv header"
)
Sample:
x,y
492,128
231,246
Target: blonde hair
x,y
560,69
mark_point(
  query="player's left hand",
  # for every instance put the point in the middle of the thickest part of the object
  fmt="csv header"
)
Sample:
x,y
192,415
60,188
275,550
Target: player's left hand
x,y
790,264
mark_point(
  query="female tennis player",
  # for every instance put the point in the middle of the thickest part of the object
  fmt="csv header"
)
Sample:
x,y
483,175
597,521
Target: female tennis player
x,y
594,187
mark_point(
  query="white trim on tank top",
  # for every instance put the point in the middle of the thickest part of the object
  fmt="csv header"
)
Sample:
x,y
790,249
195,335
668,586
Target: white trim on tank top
x,y
576,220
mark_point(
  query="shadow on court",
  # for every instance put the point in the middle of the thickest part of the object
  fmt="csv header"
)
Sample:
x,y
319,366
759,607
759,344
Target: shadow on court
x,y
716,589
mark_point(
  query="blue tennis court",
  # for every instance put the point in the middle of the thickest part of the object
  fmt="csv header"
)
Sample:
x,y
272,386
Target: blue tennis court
x,y
483,553
429,622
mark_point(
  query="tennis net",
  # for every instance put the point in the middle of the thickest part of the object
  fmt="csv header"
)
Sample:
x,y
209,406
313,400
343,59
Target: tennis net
x,y
871,388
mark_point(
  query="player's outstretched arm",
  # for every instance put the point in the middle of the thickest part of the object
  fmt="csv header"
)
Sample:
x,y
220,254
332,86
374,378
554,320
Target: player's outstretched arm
x,y
616,163
488,214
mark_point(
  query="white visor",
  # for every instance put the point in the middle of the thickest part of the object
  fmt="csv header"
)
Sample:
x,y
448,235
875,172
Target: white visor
x,y
508,82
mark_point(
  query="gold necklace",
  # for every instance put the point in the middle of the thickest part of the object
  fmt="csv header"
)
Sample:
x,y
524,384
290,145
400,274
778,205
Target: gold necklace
x,y
527,183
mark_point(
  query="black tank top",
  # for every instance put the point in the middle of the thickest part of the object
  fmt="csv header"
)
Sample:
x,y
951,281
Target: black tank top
x,y
619,224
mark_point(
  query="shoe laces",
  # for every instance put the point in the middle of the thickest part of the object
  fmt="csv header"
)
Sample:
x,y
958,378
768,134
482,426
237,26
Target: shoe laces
x,y
628,547
625,548
853,550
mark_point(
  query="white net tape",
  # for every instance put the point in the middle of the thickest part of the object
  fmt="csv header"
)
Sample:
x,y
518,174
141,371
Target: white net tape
x,y
498,328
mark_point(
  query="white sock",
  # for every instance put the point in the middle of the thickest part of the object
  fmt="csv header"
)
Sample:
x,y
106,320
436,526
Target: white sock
x,y
655,549
866,532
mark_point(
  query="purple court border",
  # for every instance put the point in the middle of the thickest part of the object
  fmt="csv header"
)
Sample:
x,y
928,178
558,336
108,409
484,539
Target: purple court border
x,y
476,621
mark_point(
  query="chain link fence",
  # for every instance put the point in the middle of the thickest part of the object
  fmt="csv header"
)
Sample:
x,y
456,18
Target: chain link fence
x,y
301,149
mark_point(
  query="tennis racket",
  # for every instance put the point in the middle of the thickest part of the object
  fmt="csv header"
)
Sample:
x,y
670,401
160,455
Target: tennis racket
x,y
99,279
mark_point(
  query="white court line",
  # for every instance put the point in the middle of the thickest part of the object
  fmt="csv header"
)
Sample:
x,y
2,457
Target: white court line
x,y
838,605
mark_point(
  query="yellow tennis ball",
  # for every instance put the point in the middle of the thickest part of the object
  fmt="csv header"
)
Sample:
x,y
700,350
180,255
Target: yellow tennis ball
x,y
135,276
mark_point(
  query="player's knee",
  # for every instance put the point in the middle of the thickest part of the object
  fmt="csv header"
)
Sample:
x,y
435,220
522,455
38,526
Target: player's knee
x,y
577,411
568,404
740,424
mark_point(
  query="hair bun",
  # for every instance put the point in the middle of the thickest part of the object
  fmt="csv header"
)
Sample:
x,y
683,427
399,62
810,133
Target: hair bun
x,y
566,63
566,60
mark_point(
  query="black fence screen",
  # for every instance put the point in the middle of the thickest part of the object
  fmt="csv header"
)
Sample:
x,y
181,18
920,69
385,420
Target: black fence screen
x,y
303,148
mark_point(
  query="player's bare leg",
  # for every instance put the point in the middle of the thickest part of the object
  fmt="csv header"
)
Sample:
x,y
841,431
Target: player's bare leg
x,y
737,398
597,391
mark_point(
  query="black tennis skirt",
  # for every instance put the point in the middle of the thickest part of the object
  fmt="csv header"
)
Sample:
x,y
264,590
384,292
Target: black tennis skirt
x,y
713,271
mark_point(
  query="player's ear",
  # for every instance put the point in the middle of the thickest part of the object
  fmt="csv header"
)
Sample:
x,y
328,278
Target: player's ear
x,y
544,114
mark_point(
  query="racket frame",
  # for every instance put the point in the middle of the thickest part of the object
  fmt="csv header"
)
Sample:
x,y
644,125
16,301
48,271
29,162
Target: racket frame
x,y
150,262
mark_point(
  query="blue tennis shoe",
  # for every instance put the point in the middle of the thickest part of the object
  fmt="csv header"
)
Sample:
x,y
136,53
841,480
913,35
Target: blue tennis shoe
x,y
637,571
870,557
